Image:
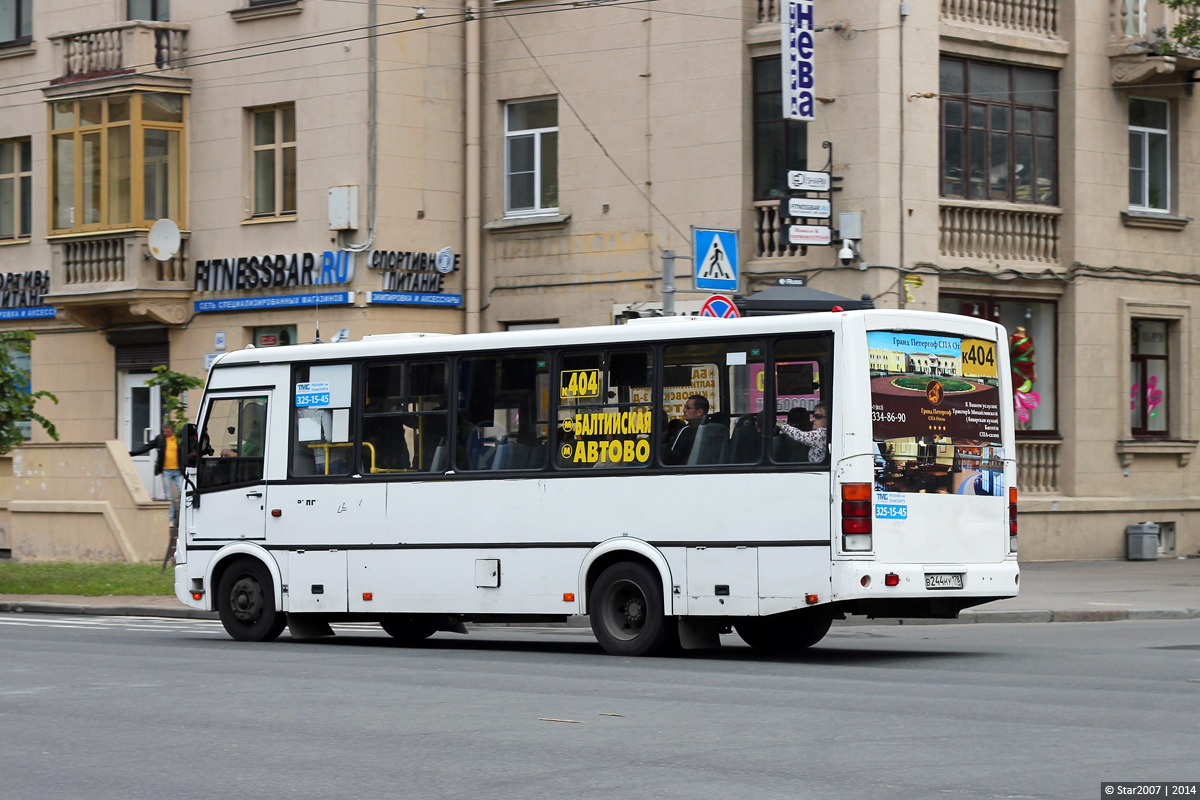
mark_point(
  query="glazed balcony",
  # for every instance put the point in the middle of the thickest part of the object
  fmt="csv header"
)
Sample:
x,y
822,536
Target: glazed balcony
x,y
105,279
127,48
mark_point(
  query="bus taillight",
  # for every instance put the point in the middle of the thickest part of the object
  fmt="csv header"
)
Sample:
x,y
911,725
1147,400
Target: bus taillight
x,y
1012,519
856,516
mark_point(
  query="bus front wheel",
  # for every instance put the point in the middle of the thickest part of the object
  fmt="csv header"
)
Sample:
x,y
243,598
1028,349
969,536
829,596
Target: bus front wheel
x,y
784,633
626,610
246,602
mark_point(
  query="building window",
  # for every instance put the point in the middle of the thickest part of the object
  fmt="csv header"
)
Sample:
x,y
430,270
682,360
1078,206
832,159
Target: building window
x,y
273,151
116,161
16,193
155,10
999,132
1149,155
1033,353
1149,368
779,144
16,21
275,336
531,157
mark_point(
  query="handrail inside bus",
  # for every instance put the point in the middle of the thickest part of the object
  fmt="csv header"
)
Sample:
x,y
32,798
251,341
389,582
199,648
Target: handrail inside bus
x,y
374,470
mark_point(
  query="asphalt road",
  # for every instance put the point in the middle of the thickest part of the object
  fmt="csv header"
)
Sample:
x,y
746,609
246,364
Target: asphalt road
x,y
93,708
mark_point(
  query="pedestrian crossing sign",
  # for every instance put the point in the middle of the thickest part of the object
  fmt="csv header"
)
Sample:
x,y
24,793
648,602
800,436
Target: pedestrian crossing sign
x,y
715,254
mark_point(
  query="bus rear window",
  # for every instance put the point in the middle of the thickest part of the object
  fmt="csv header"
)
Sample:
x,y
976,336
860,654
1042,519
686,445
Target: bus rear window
x,y
935,414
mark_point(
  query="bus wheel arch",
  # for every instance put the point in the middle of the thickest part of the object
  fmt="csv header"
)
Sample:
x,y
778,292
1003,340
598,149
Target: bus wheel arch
x,y
226,556
605,554
628,602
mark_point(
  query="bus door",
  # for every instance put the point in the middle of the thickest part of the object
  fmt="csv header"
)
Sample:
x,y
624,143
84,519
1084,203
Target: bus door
x,y
230,476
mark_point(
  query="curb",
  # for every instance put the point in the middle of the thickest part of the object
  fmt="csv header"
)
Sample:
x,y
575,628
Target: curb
x,y
17,607
964,618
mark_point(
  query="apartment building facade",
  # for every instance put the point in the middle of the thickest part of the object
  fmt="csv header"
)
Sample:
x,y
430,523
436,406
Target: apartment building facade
x,y
342,169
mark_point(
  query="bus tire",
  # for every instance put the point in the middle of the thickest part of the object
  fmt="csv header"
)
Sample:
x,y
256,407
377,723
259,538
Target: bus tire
x,y
246,602
408,629
626,610
784,633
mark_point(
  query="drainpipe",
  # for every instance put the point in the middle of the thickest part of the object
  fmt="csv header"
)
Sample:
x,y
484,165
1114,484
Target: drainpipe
x,y
472,255
372,125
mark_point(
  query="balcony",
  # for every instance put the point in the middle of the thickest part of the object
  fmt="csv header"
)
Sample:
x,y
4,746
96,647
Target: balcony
x,y
1141,52
769,10
999,232
1037,466
1037,17
111,278
770,232
138,48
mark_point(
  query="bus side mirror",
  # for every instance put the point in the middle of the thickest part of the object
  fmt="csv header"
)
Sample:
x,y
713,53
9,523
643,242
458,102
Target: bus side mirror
x,y
191,445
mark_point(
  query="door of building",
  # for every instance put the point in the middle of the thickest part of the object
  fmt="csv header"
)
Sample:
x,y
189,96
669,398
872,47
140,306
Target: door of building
x,y
141,422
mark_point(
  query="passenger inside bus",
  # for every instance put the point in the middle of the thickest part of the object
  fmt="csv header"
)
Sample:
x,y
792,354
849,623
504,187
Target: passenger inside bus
x,y
679,449
815,439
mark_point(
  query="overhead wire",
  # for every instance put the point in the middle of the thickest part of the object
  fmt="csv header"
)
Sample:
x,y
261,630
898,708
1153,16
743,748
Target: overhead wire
x,y
206,58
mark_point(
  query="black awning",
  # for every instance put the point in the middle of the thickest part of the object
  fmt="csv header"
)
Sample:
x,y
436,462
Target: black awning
x,y
797,300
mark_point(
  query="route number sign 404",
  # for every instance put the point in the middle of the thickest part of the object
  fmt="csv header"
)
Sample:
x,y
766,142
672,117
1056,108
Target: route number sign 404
x,y
979,357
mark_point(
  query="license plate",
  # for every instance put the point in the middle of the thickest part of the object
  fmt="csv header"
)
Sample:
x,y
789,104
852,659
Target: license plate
x,y
943,580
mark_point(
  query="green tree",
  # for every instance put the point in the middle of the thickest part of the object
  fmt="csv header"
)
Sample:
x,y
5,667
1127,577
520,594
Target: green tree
x,y
16,396
1185,35
173,386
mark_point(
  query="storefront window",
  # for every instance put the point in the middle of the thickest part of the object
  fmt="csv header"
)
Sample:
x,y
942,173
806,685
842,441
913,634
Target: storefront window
x,y
1149,369
1033,351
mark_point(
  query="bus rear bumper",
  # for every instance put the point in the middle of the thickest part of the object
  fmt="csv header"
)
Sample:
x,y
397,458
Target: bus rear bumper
x,y
929,591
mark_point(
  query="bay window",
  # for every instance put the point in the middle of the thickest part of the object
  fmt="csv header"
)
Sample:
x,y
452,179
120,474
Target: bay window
x,y
116,161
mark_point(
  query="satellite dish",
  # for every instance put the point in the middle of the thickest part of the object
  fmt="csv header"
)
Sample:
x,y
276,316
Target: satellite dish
x,y
163,240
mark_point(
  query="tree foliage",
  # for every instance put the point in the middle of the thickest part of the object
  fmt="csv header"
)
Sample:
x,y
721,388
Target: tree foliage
x,y
1185,35
16,396
174,385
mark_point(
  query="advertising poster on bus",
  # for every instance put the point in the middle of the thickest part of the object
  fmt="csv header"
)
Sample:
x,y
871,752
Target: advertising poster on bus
x,y
935,413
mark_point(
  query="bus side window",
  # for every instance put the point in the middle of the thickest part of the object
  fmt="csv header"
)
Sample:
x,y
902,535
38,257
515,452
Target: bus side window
x,y
233,442
604,409
712,392
801,384
405,418
503,412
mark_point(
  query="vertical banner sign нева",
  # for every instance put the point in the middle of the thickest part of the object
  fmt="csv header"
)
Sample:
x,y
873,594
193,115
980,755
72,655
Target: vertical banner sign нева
x,y
799,86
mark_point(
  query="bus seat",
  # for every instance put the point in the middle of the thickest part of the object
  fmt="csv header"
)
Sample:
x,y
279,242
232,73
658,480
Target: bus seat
x,y
786,450
481,447
507,456
441,457
746,444
710,444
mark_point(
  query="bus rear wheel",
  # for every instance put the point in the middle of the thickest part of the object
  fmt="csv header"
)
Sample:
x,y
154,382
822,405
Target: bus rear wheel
x,y
786,633
246,602
626,610
408,629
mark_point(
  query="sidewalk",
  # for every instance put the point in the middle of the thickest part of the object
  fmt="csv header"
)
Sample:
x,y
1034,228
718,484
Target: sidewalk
x,y
1051,591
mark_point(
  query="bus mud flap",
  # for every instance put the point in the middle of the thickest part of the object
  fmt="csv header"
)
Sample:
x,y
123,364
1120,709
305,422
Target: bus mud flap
x,y
699,634
302,626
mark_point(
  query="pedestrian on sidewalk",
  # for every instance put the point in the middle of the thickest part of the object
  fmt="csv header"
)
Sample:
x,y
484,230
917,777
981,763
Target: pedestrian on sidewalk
x,y
168,462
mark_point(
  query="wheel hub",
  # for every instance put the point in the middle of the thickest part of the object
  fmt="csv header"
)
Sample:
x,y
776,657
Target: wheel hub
x,y
246,599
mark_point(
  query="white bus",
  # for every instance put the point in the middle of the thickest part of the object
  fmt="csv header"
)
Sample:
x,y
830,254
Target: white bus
x,y
424,481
